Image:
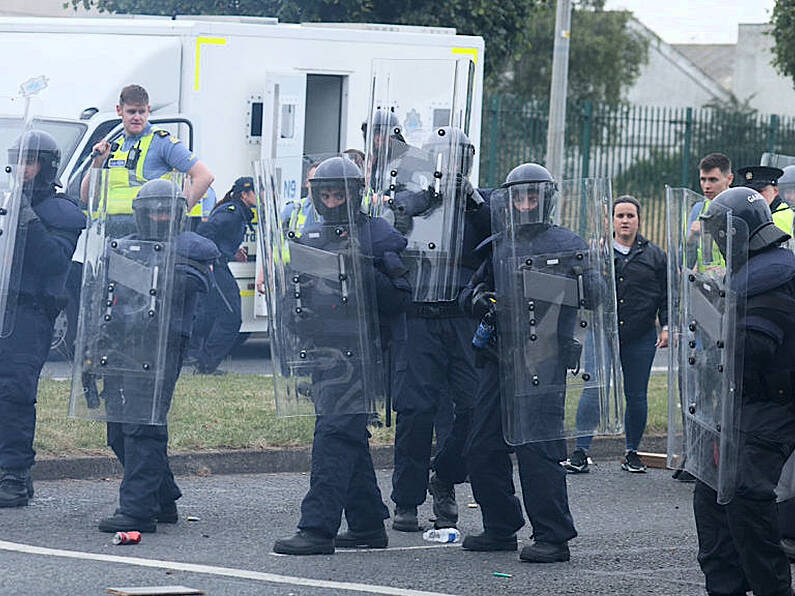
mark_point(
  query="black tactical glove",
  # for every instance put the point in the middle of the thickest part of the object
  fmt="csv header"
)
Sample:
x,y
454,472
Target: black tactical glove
x,y
464,187
483,300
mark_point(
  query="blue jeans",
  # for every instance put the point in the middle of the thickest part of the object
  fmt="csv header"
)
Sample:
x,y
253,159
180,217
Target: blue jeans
x,y
637,357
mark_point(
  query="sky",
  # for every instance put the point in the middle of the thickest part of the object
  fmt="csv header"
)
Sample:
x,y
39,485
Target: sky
x,y
696,21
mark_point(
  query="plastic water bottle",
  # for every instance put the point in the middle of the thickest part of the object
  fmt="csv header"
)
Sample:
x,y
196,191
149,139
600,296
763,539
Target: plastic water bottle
x,y
442,535
484,332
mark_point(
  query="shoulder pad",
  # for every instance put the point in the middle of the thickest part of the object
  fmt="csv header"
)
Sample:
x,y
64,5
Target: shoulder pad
x,y
162,133
193,246
61,212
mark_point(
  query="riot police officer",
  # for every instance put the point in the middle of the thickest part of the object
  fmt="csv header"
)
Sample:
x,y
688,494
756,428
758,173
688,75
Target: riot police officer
x,y
148,492
342,476
739,548
221,315
532,195
51,222
434,365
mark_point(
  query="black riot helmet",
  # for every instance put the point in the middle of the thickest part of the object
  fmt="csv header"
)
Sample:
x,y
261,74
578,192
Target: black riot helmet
x,y
452,144
37,146
533,194
159,209
752,226
340,177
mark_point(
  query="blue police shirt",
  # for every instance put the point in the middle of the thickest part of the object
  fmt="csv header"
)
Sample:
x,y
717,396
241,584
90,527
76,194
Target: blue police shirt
x,y
165,154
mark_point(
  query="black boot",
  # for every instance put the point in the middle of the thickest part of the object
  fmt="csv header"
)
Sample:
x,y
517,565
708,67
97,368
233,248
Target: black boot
x,y
405,519
445,509
14,491
489,542
545,552
373,539
304,543
119,522
168,513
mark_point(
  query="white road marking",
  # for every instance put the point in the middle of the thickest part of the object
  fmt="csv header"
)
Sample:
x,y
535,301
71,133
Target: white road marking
x,y
212,570
391,549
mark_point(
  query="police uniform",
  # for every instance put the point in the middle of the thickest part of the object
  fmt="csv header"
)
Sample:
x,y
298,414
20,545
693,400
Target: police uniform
x,y
739,543
544,491
433,384
44,261
759,177
527,205
134,160
226,226
342,477
148,491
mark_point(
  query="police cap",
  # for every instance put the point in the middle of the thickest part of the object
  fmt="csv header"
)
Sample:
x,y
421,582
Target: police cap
x,y
758,177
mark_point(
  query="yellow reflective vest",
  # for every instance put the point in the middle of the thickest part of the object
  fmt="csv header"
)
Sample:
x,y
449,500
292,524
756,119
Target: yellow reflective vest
x,y
126,174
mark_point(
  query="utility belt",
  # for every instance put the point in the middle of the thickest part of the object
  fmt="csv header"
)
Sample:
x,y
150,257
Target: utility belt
x,y
434,310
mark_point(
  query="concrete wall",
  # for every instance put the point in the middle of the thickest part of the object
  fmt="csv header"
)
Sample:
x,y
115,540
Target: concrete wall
x,y
755,77
670,79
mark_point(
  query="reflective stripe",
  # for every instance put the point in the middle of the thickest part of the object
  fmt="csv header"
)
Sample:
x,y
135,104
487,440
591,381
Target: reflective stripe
x,y
298,217
124,183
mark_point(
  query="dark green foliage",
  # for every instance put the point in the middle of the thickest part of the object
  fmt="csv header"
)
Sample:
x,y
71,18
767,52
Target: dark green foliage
x,y
783,21
605,54
501,24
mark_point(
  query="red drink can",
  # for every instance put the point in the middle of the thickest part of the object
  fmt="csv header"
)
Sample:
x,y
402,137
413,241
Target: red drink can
x,y
127,538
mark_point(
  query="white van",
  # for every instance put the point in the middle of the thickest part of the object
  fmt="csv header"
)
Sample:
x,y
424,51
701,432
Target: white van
x,y
211,82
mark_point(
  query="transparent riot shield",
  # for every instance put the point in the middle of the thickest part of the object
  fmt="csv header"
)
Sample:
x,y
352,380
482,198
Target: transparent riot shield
x,y
16,116
683,207
418,161
125,364
704,419
325,340
556,311
777,160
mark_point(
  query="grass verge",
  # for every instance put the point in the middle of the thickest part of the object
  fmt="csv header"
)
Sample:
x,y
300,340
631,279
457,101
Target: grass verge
x,y
229,412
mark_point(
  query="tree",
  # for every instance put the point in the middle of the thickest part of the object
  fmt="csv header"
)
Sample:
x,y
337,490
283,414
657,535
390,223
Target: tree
x,y
500,24
605,57
783,32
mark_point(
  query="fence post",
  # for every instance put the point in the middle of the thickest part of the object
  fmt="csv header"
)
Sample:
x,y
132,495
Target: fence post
x,y
686,147
585,144
772,133
493,137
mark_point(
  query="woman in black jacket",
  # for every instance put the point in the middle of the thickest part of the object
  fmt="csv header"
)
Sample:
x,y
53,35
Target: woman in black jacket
x,y
642,297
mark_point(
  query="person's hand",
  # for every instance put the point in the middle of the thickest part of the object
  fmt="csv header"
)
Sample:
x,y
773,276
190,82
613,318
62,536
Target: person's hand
x,y
483,300
662,339
241,256
100,152
260,282
26,212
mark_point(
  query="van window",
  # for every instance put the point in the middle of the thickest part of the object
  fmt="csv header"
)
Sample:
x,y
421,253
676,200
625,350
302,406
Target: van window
x,y
66,134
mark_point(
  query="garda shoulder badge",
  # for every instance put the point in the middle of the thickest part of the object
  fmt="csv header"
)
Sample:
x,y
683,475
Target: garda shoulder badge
x,y
230,208
162,133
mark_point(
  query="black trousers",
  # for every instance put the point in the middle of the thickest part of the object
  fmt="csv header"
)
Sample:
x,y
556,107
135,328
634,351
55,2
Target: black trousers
x,y
490,468
435,366
342,479
22,354
142,449
738,543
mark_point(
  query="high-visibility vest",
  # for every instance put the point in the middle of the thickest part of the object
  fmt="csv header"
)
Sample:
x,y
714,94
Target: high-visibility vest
x,y
783,217
126,174
716,258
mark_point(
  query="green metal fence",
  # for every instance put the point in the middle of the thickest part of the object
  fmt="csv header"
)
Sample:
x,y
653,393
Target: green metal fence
x,y
641,149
